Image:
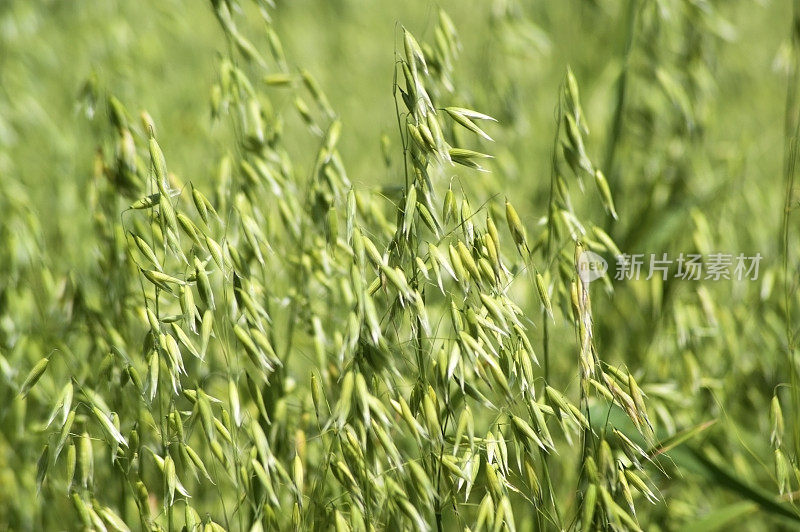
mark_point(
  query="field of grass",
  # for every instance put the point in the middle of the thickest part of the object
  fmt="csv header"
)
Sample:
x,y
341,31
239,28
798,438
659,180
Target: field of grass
x,y
322,264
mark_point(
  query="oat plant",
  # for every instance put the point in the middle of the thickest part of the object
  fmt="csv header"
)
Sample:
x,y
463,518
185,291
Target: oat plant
x,y
276,345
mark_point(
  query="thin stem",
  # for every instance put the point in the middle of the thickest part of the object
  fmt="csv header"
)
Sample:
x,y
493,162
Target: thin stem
x,y
622,89
791,129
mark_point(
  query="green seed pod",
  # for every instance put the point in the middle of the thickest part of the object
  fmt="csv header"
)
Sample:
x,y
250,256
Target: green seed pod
x,y
189,228
171,477
233,398
146,250
176,423
455,317
776,420
196,460
185,341
82,509
204,285
625,488
495,488
170,346
373,321
416,135
578,415
500,378
466,222
279,79
152,320
159,165
541,288
468,261
298,476
85,460
492,252
458,267
200,204
340,523
143,499
265,346
158,233
316,394
641,408
589,505
153,366
491,229
304,111
428,219
464,118
344,475
222,427
640,485
408,417
413,52
486,513
525,430
162,280
344,404
372,252
605,193
422,267
606,241
449,206
441,364
296,520
33,376
206,415
134,440
516,228
431,413
71,464
206,328
575,301
362,395
216,251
